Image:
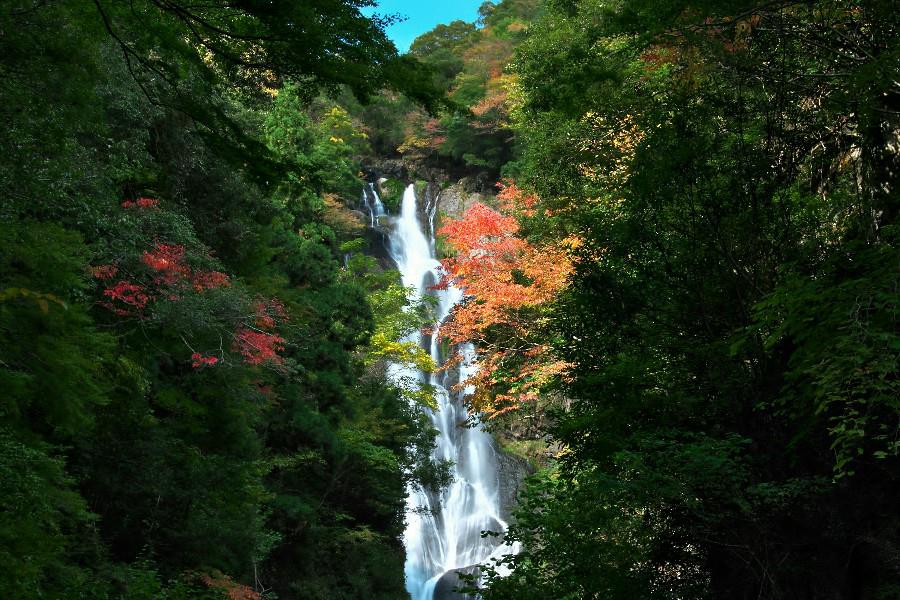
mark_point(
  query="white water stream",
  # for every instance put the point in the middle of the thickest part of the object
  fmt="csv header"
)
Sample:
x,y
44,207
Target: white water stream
x,y
443,531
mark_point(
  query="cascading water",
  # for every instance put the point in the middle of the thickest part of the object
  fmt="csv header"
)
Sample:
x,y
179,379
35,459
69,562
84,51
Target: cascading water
x,y
443,532
372,203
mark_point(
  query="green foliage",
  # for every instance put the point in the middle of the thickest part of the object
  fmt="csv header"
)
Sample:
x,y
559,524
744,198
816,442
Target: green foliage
x,y
188,390
442,48
843,368
322,155
41,514
470,131
49,349
732,423
393,322
193,368
500,14
382,120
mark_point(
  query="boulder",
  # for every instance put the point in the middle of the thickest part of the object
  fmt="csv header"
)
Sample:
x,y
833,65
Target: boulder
x,y
446,587
454,199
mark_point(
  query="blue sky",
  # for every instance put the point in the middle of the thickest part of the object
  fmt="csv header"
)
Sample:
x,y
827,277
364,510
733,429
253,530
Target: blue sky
x,y
423,15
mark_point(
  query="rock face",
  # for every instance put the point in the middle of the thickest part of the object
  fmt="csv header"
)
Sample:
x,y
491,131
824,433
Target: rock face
x,y
393,168
377,241
454,199
511,471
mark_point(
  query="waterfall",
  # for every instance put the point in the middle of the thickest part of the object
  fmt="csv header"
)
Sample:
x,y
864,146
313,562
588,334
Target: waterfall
x,y
372,203
443,532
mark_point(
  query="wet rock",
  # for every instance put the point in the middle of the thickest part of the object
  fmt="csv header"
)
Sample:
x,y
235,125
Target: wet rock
x,y
378,244
511,471
392,168
450,582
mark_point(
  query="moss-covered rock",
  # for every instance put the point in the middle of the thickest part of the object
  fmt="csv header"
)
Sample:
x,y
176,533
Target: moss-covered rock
x,y
391,193
421,186
454,199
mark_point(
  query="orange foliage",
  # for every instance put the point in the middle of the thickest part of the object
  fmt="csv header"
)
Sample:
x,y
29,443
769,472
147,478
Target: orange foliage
x,y
423,135
491,102
493,109
507,281
609,149
490,55
235,591
513,199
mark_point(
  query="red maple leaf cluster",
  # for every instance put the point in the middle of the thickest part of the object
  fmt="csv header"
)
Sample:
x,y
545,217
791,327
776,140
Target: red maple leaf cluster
x,y
258,344
268,312
255,338
172,275
258,347
209,280
168,261
201,361
131,296
104,271
141,203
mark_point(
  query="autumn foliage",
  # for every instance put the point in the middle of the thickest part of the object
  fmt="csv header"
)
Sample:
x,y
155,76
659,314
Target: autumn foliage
x,y
508,282
145,203
164,272
169,276
125,298
201,361
257,343
169,263
224,583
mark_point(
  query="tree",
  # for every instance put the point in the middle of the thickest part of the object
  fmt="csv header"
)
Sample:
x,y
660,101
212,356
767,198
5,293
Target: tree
x,y
509,285
189,411
727,211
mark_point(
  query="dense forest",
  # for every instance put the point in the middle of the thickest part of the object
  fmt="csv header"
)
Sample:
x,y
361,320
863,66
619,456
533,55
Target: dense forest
x,y
682,279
